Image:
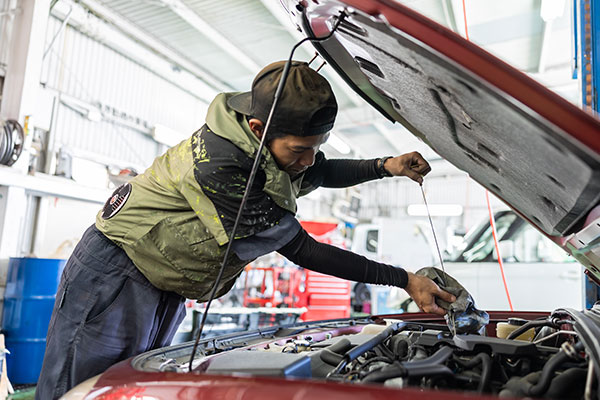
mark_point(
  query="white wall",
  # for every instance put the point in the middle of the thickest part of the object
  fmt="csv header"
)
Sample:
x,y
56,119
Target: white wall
x,y
63,225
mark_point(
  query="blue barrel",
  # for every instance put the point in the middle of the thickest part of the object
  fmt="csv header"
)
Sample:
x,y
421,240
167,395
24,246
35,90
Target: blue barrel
x,y
28,301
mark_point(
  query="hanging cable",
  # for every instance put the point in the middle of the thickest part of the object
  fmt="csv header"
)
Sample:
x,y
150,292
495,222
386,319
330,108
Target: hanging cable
x,y
495,235
465,17
284,74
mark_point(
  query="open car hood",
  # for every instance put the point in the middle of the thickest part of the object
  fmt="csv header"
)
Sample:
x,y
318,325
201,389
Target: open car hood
x,y
533,149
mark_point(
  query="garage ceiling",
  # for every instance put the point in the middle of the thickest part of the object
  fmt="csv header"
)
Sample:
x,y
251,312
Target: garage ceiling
x,y
228,41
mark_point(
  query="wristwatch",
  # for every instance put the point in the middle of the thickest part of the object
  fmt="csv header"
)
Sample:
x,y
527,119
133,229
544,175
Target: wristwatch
x,y
381,171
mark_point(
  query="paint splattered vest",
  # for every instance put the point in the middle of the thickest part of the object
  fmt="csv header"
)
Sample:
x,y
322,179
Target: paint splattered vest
x,y
167,225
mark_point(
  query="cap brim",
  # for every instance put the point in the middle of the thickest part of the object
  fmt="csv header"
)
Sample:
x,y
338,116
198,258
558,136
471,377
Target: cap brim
x,y
241,103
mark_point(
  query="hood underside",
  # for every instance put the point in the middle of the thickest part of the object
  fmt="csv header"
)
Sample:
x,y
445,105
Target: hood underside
x,y
533,149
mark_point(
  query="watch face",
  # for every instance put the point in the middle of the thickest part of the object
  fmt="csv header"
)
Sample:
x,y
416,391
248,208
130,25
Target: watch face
x,y
381,171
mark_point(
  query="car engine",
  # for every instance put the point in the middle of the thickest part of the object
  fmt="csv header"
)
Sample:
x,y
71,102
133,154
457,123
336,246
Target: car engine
x,y
554,356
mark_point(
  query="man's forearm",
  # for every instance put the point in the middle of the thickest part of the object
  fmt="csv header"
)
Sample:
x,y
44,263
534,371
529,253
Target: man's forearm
x,y
308,253
344,173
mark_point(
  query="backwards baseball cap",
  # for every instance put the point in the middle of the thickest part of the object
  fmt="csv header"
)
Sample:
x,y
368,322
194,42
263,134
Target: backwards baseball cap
x,y
307,105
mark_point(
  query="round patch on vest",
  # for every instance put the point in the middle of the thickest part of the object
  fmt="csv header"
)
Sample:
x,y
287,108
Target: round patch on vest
x,y
116,201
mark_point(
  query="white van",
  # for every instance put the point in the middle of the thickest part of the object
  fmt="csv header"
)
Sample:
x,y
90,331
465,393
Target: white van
x,y
540,276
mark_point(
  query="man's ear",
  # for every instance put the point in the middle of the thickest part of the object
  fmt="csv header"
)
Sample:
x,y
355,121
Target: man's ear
x,y
256,126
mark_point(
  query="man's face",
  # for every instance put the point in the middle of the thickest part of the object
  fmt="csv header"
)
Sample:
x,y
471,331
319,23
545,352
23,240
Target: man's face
x,y
294,154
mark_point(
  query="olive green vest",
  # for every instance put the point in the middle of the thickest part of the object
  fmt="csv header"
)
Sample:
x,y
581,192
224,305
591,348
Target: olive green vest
x,y
171,230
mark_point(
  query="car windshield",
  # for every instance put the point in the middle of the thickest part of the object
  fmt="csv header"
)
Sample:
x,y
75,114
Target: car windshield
x,y
529,260
484,245
468,238
521,242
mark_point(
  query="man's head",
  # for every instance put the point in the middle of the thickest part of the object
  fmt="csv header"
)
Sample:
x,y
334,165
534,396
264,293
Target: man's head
x,y
304,116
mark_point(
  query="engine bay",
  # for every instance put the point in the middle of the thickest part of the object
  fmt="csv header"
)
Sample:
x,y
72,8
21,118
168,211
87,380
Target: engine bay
x,y
553,356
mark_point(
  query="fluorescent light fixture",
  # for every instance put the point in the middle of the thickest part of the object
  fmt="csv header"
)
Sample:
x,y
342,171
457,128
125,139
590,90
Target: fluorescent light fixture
x,y
339,144
166,135
94,115
86,110
552,9
437,210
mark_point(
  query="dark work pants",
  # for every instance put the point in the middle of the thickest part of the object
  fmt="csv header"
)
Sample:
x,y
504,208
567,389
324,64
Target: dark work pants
x,y
105,311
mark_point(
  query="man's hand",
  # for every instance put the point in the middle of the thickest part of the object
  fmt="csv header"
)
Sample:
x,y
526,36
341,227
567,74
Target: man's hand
x,y
412,165
424,291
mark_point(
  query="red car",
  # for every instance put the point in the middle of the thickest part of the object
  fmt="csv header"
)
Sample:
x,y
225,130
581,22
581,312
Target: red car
x,y
527,145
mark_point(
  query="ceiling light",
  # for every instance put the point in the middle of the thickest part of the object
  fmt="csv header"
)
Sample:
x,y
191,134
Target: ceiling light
x,y
94,115
436,210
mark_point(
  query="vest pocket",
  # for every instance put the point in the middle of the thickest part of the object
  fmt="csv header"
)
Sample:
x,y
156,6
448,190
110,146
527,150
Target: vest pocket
x,y
192,250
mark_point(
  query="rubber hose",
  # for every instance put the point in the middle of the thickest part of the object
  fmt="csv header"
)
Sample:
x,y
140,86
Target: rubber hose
x,y
5,143
432,365
9,143
569,384
331,358
377,359
420,367
529,325
385,351
548,372
333,354
10,138
486,368
361,349
486,372
396,370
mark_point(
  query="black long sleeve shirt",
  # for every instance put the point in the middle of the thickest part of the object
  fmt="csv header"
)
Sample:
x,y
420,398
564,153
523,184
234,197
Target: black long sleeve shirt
x,y
266,227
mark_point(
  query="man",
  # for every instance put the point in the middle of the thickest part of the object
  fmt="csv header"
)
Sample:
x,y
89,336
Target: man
x,y
161,238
